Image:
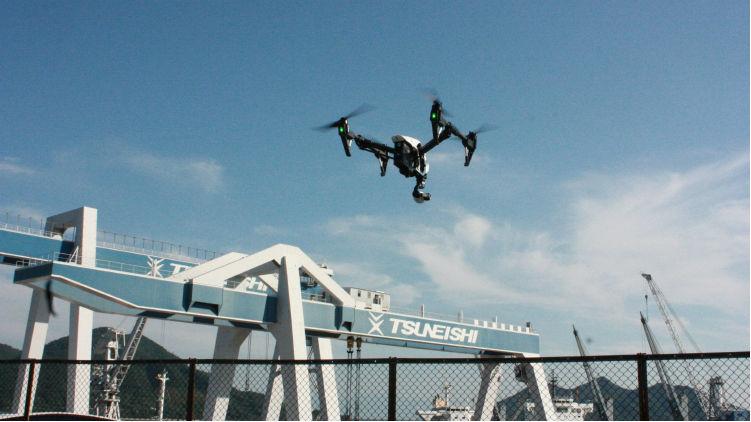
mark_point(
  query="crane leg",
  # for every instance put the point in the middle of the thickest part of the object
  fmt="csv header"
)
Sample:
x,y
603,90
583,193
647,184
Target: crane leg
x,y
538,390
272,405
327,392
79,348
490,384
289,332
227,346
33,346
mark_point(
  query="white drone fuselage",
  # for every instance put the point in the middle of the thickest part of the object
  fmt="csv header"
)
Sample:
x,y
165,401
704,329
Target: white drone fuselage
x,y
407,156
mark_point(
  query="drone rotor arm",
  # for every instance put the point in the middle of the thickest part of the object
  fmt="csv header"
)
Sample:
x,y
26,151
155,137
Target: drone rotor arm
x,y
381,151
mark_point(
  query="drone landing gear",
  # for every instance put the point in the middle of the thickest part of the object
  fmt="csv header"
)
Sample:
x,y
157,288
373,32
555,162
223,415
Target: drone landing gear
x,y
418,195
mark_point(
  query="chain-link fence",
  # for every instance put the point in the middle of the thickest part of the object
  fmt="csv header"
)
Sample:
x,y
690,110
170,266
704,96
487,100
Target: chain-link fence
x,y
711,386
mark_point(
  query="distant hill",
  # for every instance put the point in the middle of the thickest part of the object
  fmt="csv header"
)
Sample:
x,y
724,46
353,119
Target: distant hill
x,y
8,352
139,390
625,403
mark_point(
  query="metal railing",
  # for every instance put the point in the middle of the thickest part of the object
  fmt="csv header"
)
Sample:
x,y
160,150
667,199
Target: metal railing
x,y
383,389
75,259
31,230
147,246
111,240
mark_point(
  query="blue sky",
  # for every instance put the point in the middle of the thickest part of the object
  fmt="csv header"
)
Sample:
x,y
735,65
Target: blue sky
x,y
622,147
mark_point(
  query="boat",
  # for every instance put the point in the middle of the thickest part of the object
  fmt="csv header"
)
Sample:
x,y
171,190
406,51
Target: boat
x,y
443,410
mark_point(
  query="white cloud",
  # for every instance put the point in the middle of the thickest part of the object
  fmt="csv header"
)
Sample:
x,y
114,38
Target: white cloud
x,y
473,230
689,229
10,165
359,275
206,174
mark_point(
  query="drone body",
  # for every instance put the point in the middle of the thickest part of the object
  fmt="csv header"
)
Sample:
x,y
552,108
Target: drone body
x,y
408,154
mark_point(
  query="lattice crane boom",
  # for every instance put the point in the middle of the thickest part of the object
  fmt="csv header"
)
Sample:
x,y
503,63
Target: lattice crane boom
x,y
671,318
599,400
667,385
130,351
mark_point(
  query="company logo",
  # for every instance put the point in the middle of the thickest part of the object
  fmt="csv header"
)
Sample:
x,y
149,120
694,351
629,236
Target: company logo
x,y
433,331
155,266
375,323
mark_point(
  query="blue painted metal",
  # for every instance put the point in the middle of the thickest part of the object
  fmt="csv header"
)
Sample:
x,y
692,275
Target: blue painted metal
x,y
130,292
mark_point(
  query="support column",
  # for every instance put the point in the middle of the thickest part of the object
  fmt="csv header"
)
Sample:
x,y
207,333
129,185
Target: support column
x,y
79,348
490,384
272,405
326,380
289,331
538,390
84,220
33,347
226,346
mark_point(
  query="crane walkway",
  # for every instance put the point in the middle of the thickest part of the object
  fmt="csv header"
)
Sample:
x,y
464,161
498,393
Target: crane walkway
x,y
139,284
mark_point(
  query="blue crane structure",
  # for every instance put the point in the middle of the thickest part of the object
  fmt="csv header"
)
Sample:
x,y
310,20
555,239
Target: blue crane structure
x,y
279,289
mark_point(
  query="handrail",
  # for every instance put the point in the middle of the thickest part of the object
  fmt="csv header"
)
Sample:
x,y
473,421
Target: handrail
x,y
115,241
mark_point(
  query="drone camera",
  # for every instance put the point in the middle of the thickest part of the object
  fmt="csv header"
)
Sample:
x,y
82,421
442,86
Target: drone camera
x,y
420,196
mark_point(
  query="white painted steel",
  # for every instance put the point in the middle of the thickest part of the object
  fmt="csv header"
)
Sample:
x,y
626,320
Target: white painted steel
x,y
81,324
326,377
33,348
226,346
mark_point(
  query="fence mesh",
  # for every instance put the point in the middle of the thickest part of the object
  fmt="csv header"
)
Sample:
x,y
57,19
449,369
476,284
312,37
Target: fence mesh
x,y
678,387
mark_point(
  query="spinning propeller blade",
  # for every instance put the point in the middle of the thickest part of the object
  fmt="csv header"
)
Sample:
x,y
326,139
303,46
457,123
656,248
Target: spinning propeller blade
x,y
48,292
432,95
484,128
470,144
364,108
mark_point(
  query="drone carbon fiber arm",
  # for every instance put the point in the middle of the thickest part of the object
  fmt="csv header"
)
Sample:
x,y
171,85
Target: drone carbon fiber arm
x,y
469,141
366,144
381,151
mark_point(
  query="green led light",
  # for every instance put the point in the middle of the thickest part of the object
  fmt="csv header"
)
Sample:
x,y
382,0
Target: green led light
x,y
341,129
432,116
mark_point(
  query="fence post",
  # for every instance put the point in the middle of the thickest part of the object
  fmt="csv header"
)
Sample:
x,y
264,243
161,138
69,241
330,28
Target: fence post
x,y
392,389
191,390
29,390
641,374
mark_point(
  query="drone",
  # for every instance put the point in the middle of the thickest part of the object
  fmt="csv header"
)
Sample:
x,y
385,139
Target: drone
x,y
408,154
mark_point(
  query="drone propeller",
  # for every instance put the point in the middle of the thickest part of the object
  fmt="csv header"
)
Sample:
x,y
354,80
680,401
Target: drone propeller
x,y
432,95
343,126
470,143
484,128
48,292
364,108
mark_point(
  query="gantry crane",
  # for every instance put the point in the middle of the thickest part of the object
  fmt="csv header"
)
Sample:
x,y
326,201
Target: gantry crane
x,y
598,399
108,401
671,318
673,401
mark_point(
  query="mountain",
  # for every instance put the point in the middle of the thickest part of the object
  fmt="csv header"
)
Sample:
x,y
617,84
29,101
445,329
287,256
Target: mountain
x,y
139,390
625,401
